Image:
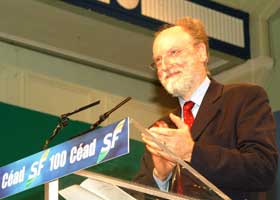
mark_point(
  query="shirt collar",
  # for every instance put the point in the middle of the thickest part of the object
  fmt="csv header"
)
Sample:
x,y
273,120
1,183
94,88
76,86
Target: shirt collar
x,y
198,94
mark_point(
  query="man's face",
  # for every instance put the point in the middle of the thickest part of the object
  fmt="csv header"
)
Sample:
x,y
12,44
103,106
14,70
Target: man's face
x,y
179,61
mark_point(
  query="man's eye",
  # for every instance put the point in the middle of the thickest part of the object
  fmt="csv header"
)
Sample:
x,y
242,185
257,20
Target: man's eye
x,y
158,60
174,52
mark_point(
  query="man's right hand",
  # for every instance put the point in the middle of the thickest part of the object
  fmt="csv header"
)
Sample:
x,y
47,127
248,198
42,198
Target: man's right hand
x,y
163,166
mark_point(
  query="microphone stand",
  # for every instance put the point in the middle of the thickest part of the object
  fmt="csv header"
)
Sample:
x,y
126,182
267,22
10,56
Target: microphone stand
x,y
63,121
103,117
107,114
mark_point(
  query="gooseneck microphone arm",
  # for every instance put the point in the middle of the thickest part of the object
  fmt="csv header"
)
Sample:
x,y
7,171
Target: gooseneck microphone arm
x,y
63,121
104,116
80,109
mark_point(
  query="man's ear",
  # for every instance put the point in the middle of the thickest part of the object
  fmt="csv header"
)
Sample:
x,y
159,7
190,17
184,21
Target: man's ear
x,y
202,53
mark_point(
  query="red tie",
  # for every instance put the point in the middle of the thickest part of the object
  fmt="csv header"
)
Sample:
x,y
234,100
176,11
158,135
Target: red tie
x,y
188,119
188,116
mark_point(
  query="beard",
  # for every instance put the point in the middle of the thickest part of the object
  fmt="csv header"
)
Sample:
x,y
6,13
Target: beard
x,y
178,85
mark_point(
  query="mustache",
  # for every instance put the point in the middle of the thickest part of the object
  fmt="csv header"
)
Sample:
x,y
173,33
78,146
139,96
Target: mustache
x,y
171,69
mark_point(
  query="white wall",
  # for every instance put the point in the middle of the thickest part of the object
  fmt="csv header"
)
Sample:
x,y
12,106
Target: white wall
x,y
272,85
56,86
53,85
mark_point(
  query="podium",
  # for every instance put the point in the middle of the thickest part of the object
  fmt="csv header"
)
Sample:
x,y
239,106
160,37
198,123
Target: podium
x,y
126,190
102,158
116,175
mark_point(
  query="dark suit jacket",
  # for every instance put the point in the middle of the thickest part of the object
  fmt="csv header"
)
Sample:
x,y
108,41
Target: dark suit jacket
x,y
235,141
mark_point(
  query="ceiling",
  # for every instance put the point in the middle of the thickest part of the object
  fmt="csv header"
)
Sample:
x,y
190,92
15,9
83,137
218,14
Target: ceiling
x,y
263,8
84,36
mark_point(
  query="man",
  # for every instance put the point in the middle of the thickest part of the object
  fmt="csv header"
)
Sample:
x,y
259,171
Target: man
x,y
229,136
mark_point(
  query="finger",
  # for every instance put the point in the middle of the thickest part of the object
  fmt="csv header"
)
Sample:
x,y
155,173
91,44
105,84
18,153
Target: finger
x,y
159,153
154,136
160,124
151,143
147,136
150,135
165,156
153,151
156,132
177,121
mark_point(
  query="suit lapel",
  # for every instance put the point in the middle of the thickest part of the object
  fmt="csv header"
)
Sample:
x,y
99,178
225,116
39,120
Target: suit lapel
x,y
209,108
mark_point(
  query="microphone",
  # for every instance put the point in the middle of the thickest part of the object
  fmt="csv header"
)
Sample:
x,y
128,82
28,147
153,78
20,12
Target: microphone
x,y
63,121
103,117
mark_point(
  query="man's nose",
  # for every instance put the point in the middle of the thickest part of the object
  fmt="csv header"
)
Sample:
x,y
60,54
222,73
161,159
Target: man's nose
x,y
164,62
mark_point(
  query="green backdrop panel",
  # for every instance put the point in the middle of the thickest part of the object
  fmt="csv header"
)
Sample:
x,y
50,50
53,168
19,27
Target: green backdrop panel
x,y
24,131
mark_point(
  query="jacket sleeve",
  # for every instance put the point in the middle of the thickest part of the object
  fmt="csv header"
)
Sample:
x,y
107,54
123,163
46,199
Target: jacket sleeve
x,y
145,174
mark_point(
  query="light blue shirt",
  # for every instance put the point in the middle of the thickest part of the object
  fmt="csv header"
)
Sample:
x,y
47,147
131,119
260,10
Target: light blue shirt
x,y
197,98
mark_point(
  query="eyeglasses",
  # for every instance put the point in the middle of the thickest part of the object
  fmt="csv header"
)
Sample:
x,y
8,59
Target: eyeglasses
x,y
171,54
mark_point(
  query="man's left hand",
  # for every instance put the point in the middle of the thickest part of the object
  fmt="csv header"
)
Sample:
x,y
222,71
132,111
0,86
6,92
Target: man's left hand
x,y
179,140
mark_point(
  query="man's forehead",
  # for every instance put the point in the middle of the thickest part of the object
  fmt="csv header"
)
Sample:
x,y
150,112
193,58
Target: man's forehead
x,y
170,32
172,36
